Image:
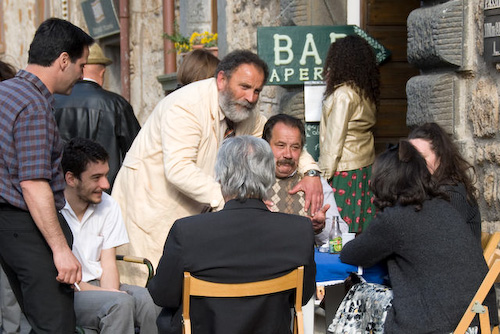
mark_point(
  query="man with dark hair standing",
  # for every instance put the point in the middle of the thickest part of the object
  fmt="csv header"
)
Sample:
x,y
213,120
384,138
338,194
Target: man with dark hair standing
x,y
168,171
92,112
243,242
35,241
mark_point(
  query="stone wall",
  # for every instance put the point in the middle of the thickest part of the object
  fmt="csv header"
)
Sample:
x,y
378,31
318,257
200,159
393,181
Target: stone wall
x,y
458,89
19,24
238,21
146,56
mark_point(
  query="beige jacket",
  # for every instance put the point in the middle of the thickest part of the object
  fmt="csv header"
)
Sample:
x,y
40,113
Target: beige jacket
x,y
346,138
168,172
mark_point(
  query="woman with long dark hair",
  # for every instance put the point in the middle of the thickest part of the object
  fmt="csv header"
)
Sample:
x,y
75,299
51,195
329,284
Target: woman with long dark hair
x,y
450,171
346,139
434,264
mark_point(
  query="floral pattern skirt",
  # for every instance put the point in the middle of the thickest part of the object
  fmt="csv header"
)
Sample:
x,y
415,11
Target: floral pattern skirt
x,y
354,198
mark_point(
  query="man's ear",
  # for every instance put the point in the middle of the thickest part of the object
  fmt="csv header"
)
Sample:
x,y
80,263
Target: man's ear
x,y
70,179
63,60
221,80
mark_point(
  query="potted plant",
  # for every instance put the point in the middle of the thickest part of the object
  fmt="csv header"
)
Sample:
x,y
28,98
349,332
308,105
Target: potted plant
x,y
183,45
204,40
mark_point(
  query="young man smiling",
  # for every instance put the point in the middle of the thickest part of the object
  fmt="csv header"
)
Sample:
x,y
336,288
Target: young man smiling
x,y
103,304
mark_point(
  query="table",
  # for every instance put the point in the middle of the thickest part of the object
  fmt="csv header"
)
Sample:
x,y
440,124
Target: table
x,y
331,273
329,270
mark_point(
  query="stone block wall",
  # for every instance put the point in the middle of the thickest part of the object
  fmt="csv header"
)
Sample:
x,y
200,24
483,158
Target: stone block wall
x,y
458,89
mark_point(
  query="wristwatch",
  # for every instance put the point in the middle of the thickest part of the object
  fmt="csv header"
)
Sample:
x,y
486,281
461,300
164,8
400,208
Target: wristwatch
x,y
312,172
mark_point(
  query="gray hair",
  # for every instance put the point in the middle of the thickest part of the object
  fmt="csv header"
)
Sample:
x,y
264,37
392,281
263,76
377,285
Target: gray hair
x,y
245,168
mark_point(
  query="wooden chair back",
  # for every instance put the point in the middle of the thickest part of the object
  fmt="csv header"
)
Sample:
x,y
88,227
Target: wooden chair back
x,y
490,244
291,281
476,307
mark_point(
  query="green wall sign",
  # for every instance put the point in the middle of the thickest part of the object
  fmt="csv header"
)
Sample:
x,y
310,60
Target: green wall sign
x,y
100,16
295,54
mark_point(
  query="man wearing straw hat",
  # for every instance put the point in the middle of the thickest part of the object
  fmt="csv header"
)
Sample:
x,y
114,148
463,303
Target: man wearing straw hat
x,y
95,113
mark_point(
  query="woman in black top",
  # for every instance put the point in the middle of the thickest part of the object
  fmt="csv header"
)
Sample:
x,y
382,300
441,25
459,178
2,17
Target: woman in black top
x,y
434,264
450,171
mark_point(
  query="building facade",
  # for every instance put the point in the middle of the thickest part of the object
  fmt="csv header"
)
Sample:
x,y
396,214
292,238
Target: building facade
x,y
443,68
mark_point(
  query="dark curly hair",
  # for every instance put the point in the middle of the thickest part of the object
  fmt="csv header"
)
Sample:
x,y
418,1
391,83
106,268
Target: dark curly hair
x,y
79,153
351,61
452,168
400,176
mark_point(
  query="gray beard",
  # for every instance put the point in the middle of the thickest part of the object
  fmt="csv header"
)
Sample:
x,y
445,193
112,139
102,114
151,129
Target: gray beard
x,y
230,108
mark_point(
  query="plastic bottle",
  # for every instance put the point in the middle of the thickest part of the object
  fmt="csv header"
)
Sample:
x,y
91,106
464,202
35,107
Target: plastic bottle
x,y
335,237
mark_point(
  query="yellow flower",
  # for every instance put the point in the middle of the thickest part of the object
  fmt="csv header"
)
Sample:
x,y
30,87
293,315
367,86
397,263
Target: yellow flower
x,y
206,38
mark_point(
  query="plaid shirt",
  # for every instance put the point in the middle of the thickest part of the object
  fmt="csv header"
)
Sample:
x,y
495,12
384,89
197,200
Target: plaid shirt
x,y
30,144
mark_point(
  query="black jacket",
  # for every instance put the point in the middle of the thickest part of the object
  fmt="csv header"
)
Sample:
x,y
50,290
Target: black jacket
x,y
435,265
95,113
244,242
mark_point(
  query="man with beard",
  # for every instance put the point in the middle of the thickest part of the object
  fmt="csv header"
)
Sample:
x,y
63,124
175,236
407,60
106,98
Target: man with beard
x,y
168,172
286,136
101,303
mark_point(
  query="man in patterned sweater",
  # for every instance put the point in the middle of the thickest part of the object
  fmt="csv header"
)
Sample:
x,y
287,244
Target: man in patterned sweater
x,y
286,136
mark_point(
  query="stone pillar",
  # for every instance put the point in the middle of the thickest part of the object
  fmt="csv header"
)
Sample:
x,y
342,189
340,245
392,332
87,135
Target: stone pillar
x,y
458,89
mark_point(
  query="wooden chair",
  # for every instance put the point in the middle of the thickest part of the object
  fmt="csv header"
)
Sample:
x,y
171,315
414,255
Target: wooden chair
x,y
197,287
490,243
476,307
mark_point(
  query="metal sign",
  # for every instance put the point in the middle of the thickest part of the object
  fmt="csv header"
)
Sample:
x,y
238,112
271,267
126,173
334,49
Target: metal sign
x,y
101,18
295,54
492,31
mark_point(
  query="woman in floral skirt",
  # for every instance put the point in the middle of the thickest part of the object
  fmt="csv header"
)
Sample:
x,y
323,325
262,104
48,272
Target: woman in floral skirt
x,y
346,138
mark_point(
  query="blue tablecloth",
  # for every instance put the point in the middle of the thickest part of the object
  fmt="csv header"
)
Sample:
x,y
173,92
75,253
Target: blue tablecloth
x,y
329,270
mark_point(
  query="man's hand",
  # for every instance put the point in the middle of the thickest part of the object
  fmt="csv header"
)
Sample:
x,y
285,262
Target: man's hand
x,y
40,201
269,204
69,270
318,220
311,186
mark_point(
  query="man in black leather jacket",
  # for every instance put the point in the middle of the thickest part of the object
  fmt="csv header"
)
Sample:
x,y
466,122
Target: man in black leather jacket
x,y
95,113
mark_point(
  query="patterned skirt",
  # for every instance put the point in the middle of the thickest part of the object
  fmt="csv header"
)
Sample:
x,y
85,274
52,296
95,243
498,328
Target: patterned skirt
x,y
354,198
364,310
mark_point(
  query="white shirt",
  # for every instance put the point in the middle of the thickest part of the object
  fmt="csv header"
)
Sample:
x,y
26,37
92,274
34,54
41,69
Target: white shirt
x,y
102,227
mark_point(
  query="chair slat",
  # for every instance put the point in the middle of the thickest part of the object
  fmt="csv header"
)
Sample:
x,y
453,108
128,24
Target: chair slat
x,y
197,287
481,294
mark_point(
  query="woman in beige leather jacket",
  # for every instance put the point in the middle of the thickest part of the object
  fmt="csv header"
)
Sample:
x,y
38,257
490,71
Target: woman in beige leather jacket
x,y
346,138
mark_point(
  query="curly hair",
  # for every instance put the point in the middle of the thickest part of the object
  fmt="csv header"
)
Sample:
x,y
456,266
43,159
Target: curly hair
x,y
400,176
79,153
452,168
351,61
